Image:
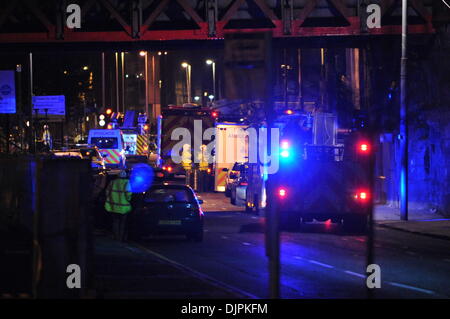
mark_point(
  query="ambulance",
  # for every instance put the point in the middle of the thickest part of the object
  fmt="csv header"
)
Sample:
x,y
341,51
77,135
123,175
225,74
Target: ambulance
x,y
231,147
111,145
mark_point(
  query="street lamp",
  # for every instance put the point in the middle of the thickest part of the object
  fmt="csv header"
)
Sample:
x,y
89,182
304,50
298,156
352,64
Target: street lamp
x,y
145,55
187,66
213,64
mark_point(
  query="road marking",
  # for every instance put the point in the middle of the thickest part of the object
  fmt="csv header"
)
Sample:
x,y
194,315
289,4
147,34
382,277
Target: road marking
x,y
411,253
354,274
447,260
320,264
246,244
429,292
224,237
298,257
201,276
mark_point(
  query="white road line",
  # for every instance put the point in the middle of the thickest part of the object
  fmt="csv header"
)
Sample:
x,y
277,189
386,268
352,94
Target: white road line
x,y
298,257
246,244
200,275
224,237
411,253
354,274
429,292
320,264
447,260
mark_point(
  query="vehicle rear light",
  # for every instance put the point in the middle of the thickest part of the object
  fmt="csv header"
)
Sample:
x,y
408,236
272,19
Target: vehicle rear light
x,y
364,148
282,193
361,196
243,183
169,169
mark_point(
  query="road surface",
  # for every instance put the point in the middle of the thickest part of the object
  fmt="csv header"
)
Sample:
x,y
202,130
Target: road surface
x,y
320,261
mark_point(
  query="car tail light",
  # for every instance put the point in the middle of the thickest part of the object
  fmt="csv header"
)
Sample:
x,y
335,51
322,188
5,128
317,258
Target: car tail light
x,y
361,196
243,183
282,193
169,169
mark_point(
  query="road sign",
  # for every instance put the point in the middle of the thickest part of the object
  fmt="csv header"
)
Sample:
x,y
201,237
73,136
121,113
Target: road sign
x,y
7,92
54,105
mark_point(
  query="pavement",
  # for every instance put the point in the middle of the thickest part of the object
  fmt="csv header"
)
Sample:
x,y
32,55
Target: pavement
x,y
420,222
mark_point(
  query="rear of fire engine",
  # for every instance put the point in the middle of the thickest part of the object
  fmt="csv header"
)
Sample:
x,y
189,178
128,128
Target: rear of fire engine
x,y
324,172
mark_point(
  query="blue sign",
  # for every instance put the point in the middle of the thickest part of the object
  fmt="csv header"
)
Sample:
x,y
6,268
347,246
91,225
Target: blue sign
x,y
49,105
7,92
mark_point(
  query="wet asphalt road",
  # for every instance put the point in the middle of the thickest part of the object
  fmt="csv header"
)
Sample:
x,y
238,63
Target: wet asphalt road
x,y
318,261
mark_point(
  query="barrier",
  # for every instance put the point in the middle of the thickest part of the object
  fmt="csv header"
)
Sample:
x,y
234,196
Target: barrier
x,y
45,213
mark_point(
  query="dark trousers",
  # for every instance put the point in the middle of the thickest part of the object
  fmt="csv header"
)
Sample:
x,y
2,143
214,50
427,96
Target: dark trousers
x,y
119,226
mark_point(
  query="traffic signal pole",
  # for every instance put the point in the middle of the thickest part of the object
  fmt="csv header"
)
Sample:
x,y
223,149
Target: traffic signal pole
x,y
404,117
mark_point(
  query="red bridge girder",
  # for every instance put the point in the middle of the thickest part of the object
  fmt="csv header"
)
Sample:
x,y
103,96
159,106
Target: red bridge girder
x,y
206,28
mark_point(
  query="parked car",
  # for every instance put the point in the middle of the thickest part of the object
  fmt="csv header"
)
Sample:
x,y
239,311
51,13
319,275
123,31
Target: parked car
x,y
232,175
238,188
164,208
92,153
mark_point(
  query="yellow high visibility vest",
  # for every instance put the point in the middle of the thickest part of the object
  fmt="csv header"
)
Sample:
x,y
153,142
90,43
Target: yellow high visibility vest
x,y
118,196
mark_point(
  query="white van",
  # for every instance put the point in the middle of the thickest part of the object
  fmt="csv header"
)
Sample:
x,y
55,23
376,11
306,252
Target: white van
x,y
111,145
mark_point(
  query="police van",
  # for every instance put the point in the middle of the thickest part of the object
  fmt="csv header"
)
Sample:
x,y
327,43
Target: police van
x,y
111,145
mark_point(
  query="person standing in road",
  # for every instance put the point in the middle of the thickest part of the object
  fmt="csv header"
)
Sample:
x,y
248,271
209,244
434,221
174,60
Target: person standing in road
x,y
118,203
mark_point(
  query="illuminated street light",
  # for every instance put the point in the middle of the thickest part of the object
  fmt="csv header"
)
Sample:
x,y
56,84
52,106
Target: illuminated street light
x,y
213,64
85,68
196,98
187,66
144,54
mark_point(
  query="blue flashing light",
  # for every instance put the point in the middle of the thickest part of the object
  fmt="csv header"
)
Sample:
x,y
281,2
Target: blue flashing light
x,y
284,153
141,178
390,96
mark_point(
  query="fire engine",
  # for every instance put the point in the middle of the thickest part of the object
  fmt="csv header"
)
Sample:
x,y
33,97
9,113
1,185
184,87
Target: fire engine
x,y
324,172
174,117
